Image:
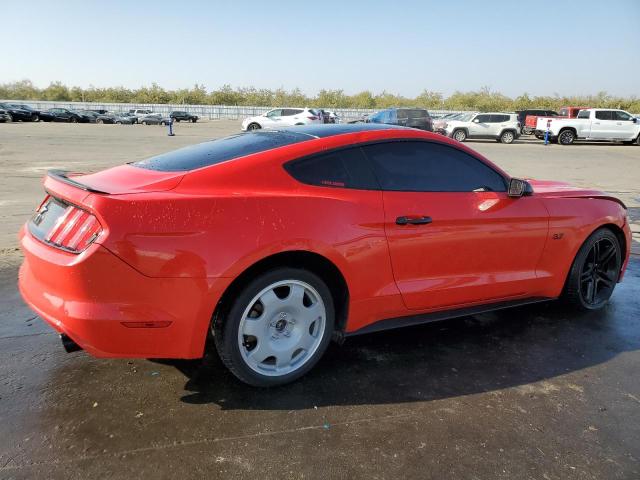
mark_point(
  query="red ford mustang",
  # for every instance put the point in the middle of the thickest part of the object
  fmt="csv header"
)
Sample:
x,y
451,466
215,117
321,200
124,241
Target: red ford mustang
x,y
274,242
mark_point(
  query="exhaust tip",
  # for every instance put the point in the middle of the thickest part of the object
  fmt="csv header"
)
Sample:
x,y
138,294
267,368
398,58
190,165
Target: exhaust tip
x,y
69,345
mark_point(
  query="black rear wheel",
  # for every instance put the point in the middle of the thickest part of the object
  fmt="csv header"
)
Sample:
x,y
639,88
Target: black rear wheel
x,y
595,271
566,137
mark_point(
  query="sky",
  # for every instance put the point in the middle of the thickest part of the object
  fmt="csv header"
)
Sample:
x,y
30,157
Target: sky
x,y
404,47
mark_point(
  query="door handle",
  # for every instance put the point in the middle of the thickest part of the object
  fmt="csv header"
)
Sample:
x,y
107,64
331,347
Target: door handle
x,y
413,220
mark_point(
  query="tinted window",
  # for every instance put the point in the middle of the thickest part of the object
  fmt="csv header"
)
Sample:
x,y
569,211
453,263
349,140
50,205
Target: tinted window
x,y
430,167
221,150
274,113
342,168
499,118
483,118
620,115
583,114
604,115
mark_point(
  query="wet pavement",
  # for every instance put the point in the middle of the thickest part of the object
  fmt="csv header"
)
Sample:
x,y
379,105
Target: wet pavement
x,y
533,392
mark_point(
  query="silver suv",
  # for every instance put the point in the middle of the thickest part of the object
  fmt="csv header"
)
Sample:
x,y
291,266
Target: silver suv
x,y
503,127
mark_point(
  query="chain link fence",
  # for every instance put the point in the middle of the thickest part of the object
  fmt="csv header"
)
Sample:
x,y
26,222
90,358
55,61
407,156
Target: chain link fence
x,y
210,112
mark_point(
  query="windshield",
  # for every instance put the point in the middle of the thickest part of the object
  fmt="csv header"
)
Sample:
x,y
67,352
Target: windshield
x,y
463,117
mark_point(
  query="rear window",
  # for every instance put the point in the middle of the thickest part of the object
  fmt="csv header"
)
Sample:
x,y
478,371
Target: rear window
x,y
604,115
221,150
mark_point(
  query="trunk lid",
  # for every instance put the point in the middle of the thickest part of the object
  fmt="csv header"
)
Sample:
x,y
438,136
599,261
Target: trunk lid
x,y
120,180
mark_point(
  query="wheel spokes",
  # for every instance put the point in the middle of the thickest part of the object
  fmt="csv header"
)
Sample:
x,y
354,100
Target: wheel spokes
x,y
282,327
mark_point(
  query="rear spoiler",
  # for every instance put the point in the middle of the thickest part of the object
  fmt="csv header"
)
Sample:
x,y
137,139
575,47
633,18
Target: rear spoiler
x,y
63,176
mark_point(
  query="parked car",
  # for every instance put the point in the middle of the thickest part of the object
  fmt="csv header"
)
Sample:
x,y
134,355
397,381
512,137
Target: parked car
x,y
125,118
154,119
101,111
35,114
503,127
4,116
139,112
404,117
64,115
524,114
333,117
274,265
440,123
599,124
99,117
565,112
180,116
282,117
16,113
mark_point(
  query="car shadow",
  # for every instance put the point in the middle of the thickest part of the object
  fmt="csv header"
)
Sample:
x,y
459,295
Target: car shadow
x,y
454,358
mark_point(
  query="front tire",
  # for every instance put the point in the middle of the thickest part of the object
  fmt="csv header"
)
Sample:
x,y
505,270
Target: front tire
x,y
9,118
277,327
595,271
459,135
254,126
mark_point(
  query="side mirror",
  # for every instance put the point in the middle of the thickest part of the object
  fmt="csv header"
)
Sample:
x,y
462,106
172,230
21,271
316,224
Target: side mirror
x,y
519,188
634,119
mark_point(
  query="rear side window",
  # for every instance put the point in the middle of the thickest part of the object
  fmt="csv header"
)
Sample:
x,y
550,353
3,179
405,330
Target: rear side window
x,y
345,168
604,115
221,150
583,114
499,118
430,167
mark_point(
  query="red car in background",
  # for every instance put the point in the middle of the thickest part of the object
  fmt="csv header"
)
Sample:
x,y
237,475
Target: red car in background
x,y
274,242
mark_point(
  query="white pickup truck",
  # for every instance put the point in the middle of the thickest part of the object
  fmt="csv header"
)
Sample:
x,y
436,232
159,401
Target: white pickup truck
x,y
593,124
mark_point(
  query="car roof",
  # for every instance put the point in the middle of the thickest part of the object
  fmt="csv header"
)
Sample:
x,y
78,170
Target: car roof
x,y
329,130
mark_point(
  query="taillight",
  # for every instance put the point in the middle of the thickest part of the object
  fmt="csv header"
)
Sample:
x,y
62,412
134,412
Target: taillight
x,y
75,230
312,118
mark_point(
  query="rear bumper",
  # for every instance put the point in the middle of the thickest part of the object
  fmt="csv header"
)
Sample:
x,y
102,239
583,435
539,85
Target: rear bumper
x,y
112,310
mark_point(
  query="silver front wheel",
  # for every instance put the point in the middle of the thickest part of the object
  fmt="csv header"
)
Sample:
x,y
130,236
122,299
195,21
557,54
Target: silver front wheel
x,y
282,327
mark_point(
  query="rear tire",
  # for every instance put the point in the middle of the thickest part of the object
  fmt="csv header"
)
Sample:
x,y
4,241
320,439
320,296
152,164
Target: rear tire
x,y
507,137
176,120
277,328
144,123
73,120
459,135
194,120
594,272
566,137
9,117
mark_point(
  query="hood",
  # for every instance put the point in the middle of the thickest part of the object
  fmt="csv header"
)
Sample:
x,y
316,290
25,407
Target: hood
x,y
553,189
128,179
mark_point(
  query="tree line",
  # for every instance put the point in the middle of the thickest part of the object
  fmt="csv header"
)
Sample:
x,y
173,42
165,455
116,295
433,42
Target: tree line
x,y
483,99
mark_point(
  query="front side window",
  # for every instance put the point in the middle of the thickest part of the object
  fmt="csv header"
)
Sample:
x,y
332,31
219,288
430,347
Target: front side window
x,y
274,113
621,116
483,118
341,168
430,167
604,115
